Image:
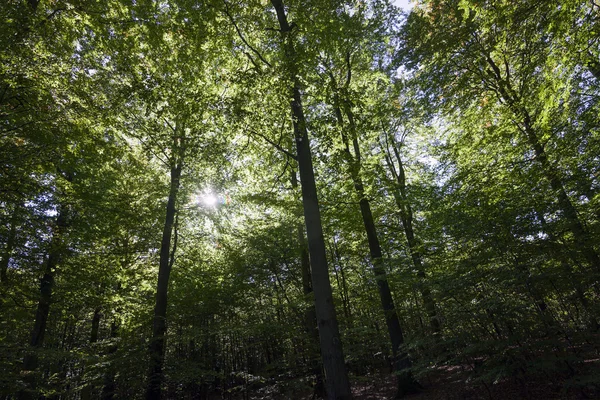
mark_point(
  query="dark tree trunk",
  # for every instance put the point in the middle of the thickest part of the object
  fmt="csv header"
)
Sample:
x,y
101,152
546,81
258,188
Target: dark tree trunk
x,y
8,249
406,383
342,283
582,239
406,216
310,316
38,332
338,386
86,391
109,389
95,325
525,123
159,329
568,269
33,4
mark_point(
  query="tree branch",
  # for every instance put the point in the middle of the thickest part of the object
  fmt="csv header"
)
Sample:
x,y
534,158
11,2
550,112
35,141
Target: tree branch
x,y
239,32
276,145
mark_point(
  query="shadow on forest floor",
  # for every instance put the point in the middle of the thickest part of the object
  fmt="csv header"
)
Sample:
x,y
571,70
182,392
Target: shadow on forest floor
x,y
453,383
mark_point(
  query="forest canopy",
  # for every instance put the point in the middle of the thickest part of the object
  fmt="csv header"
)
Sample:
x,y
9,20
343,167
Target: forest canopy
x,y
294,199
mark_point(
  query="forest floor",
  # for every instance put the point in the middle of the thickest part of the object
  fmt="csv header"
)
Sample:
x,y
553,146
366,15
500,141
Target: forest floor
x,y
454,383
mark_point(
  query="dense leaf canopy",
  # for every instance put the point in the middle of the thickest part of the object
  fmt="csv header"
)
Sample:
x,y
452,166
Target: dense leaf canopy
x,y
258,199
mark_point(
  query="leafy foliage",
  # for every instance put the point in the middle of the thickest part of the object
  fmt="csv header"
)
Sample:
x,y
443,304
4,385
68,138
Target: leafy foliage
x,y
472,127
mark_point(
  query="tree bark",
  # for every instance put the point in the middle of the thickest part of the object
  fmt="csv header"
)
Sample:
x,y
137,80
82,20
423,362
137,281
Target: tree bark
x,y
30,361
406,216
9,248
95,325
342,283
338,386
86,391
582,239
525,123
109,388
159,329
406,383
568,269
310,315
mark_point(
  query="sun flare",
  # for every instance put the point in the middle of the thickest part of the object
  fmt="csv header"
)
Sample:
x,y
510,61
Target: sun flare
x,y
208,199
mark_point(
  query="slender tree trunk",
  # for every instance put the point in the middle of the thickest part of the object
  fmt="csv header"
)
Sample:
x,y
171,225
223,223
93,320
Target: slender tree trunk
x,y
338,386
159,329
536,296
342,284
582,240
310,315
86,391
38,332
508,95
95,325
406,216
8,249
109,389
406,383
567,268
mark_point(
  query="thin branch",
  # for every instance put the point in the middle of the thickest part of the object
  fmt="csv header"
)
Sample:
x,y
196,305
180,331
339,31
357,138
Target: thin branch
x,y
58,10
278,178
252,60
170,126
387,156
150,138
239,32
506,68
276,145
149,148
21,126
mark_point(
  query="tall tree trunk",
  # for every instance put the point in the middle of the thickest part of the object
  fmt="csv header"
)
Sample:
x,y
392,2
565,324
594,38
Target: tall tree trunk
x,y
406,383
525,123
109,389
95,325
9,247
342,283
38,332
568,269
86,391
406,216
582,239
159,329
338,386
310,316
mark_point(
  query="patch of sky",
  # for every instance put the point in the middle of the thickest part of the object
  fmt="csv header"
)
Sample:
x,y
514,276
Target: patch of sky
x,y
406,5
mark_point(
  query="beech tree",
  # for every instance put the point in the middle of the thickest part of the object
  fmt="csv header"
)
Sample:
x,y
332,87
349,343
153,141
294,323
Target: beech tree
x,y
303,199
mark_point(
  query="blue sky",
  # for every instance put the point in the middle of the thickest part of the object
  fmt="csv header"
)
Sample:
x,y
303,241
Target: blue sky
x,y
404,4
